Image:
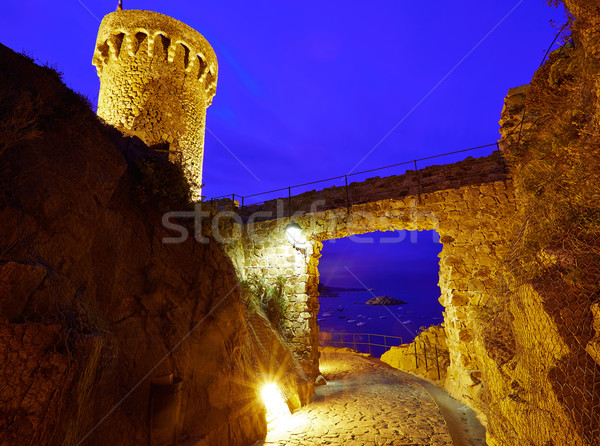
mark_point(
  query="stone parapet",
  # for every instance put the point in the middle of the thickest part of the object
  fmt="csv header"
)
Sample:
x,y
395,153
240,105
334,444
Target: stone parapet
x,y
480,170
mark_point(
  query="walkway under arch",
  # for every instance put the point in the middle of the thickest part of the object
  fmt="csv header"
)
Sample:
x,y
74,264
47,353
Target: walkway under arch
x,y
469,203
366,402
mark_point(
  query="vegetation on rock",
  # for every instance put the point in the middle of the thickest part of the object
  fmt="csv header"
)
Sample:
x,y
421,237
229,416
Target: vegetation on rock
x,y
539,329
158,182
269,299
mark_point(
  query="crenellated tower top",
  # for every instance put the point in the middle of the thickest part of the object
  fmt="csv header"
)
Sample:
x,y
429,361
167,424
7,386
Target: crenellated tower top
x,y
157,77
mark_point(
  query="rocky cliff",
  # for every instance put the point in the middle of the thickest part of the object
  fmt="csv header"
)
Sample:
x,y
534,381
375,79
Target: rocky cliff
x,y
540,361
535,334
426,356
93,305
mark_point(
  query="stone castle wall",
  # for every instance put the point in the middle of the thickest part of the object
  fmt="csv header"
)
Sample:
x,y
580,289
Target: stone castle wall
x,y
157,77
470,220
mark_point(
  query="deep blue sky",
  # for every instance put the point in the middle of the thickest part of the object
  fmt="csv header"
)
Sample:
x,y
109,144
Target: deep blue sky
x,y
394,261
308,89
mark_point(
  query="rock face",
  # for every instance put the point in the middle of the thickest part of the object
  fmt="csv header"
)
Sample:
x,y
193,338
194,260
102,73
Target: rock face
x,y
384,300
93,305
536,339
36,379
426,356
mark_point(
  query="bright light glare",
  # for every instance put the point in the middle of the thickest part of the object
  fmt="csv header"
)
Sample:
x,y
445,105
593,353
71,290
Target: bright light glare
x,y
294,235
294,232
276,406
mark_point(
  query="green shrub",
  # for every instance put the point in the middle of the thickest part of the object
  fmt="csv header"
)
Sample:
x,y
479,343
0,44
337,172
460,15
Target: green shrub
x,y
269,299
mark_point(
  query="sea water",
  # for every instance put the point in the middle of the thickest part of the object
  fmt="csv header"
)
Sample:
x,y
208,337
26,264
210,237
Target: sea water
x,y
348,320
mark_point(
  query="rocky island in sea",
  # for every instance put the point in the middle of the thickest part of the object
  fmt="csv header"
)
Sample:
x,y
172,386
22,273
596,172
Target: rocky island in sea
x,y
385,300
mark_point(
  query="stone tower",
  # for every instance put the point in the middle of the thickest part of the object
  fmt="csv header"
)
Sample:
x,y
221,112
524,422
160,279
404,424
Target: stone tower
x,y
157,77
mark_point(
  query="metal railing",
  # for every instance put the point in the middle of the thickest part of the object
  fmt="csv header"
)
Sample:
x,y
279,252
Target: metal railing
x,y
243,202
427,354
358,340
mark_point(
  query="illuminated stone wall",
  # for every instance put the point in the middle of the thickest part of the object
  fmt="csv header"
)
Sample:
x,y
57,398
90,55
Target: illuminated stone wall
x,y
157,77
468,218
513,356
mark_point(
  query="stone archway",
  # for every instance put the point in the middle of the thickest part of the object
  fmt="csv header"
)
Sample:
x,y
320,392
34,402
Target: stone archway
x,y
472,222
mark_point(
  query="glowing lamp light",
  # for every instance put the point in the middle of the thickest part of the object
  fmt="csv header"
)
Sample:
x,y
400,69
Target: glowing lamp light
x,y
293,232
274,402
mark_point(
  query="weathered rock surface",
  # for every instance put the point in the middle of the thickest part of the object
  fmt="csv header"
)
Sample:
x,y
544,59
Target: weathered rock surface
x,y
384,300
93,305
426,356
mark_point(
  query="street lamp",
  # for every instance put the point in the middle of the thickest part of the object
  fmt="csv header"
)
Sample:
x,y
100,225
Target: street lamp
x,y
293,232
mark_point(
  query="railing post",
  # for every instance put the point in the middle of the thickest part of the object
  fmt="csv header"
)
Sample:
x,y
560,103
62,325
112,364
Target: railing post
x,y
290,201
347,194
354,340
418,181
437,362
416,357
369,340
504,169
425,354
242,210
385,341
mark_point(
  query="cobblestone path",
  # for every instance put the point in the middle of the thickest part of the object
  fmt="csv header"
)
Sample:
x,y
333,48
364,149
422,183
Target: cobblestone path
x,y
365,402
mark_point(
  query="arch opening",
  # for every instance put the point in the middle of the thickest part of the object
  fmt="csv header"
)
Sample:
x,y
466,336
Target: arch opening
x,y
141,40
117,40
186,55
402,265
201,66
161,45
